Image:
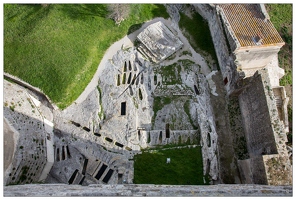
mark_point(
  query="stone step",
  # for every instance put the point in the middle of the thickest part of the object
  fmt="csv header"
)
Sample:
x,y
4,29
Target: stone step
x,y
144,52
278,101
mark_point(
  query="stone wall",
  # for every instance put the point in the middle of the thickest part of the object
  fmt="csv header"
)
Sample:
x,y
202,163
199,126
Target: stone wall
x,y
255,114
252,171
62,190
223,46
30,122
264,130
265,134
255,57
233,43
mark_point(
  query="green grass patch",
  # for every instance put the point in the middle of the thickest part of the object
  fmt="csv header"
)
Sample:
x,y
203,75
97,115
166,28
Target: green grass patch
x,y
198,33
187,64
280,14
186,167
58,48
287,78
170,74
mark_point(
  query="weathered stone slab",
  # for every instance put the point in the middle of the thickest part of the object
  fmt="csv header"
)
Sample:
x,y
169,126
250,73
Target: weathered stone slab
x,y
159,41
92,167
78,178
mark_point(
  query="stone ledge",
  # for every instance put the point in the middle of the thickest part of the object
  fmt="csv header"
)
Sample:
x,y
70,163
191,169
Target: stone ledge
x,y
146,190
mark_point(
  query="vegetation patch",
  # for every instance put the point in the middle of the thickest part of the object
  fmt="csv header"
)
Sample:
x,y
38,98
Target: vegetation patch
x,y
186,53
134,28
58,47
236,127
170,74
185,167
198,33
290,118
12,107
188,64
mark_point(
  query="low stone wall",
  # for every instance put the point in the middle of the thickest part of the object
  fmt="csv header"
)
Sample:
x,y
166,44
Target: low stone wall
x,y
256,119
146,190
42,97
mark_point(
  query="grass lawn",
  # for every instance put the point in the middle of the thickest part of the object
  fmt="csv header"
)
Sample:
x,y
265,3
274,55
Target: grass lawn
x,y
186,167
58,48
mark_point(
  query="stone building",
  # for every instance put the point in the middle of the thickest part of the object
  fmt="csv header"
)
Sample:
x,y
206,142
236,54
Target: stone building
x,y
247,46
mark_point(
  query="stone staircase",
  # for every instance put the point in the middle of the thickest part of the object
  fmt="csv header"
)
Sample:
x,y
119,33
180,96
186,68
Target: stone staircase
x,y
278,97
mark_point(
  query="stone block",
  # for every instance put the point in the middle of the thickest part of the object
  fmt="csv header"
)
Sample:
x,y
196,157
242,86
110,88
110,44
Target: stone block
x,y
158,42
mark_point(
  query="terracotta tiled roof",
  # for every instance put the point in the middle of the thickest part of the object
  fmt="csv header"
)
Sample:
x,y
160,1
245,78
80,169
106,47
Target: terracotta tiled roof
x,y
249,25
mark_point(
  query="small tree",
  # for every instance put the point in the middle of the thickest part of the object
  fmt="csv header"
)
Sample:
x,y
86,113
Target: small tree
x,y
118,12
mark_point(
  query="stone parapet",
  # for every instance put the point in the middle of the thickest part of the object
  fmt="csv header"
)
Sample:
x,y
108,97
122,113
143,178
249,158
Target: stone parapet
x,y
146,190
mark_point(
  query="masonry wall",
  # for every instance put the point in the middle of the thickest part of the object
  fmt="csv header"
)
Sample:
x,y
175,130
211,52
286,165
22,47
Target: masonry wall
x,y
30,155
255,57
147,190
253,171
231,39
256,118
223,47
218,37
